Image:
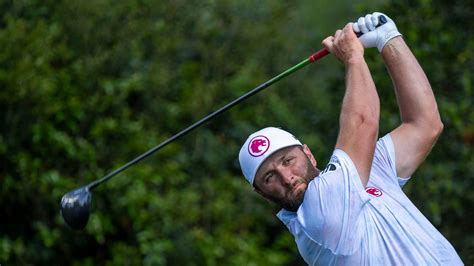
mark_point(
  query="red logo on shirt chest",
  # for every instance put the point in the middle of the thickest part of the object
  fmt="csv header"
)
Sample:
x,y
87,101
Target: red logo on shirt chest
x,y
373,191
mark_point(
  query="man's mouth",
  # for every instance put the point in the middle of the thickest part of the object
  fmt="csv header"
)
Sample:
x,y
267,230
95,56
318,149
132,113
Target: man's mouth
x,y
298,188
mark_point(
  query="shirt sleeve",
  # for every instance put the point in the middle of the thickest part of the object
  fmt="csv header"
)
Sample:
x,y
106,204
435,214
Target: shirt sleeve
x,y
331,213
385,161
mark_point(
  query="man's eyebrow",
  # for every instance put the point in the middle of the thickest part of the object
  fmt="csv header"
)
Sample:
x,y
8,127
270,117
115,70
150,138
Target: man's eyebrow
x,y
282,157
287,153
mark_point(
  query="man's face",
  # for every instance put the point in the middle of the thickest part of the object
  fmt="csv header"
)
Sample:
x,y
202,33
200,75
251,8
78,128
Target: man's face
x,y
284,176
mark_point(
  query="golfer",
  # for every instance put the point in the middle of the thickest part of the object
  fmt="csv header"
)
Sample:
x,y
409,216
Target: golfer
x,y
354,212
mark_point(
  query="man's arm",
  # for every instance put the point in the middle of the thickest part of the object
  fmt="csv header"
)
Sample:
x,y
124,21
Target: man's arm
x,y
360,107
421,123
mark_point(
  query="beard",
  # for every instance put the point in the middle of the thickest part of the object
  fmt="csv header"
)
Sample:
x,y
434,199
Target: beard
x,y
294,198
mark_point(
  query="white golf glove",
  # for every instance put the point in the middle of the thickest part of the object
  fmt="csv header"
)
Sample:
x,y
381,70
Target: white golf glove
x,y
373,36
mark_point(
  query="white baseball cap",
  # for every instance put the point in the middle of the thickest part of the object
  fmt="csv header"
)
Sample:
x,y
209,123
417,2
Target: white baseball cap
x,y
260,145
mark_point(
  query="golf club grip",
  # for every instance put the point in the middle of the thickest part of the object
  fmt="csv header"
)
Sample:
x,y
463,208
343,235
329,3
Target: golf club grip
x,y
323,52
382,20
319,54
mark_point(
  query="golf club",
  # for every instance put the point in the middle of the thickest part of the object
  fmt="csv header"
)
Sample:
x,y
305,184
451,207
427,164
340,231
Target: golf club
x,y
76,204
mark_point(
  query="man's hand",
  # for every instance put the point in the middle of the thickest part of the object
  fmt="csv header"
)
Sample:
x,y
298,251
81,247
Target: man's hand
x,y
373,36
344,45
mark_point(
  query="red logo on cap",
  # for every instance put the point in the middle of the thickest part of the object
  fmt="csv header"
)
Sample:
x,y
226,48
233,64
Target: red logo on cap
x,y
258,146
374,191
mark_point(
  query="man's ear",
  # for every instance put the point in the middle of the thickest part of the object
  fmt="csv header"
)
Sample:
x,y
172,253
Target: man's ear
x,y
310,156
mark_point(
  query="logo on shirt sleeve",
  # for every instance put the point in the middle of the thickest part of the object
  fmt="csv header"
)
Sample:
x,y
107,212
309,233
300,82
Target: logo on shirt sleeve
x,y
374,191
334,160
332,165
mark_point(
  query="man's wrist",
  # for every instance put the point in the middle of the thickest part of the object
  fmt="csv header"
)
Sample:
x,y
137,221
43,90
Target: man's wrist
x,y
355,60
386,38
392,45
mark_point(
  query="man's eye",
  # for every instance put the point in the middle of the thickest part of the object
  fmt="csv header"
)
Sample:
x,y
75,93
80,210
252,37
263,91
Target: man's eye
x,y
287,161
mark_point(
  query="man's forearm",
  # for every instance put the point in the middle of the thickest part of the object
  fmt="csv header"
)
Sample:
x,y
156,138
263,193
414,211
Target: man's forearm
x,y
414,94
360,100
421,122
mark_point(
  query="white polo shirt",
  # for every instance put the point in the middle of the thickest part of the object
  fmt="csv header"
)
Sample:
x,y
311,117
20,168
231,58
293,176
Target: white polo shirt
x,y
341,223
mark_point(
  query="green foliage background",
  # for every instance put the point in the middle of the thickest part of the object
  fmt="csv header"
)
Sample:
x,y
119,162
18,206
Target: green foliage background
x,y
85,86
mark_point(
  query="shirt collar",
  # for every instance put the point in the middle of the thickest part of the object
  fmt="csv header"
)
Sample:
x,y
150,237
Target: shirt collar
x,y
286,216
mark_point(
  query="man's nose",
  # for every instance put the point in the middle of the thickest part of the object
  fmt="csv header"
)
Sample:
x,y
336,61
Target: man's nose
x,y
286,176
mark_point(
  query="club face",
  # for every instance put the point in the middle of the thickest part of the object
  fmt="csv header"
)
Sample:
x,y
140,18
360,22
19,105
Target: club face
x,y
75,207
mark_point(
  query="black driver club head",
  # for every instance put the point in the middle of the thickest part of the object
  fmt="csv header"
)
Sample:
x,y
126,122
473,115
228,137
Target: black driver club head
x,y
75,207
